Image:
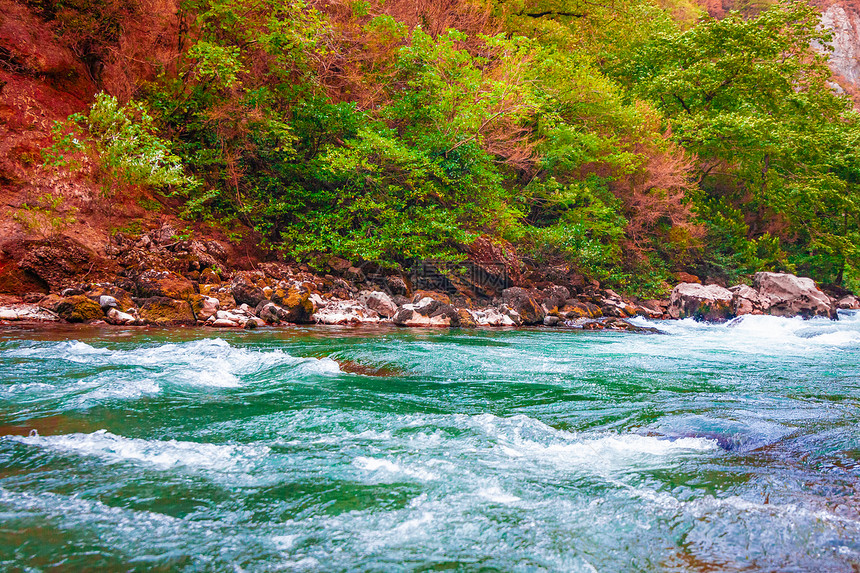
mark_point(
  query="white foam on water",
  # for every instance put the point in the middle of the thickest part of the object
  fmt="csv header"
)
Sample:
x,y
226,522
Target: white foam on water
x,y
709,504
496,495
376,465
121,374
524,437
116,526
754,333
162,455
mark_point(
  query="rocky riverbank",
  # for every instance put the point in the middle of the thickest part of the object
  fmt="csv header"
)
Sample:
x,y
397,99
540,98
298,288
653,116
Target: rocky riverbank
x,y
157,280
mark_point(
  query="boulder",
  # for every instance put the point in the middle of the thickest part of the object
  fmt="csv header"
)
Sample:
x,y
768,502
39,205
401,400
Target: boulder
x,y
236,318
106,302
210,277
205,306
703,302
61,260
26,312
245,292
501,316
574,309
378,301
123,297
438,296
9,314
165,284
79,308
525,305
555,297
15,280
297,303
684,277
848,302
551,320
163,310
789,295
466,318
427,312
271,312
338,264
253,323
344,312
225,298
396,285
120,318
746,300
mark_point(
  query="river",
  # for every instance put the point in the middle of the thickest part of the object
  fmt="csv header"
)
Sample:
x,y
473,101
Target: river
x,y
706,448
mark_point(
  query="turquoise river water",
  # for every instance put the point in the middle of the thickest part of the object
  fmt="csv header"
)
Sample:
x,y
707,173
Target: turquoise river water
x,y
709,448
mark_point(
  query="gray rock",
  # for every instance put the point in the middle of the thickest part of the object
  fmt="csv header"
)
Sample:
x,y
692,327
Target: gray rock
x,y
378,301
551,320
107,301
246,293
555,297
524,303
208,307
703,302
789,295
745,300
848,302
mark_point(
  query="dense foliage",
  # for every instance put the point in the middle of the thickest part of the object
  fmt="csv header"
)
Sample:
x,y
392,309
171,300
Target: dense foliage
x,y
628,140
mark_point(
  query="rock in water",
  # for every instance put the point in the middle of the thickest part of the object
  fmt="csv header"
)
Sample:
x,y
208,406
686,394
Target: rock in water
x,y
378,301
746,300
427,312
244,292
703,302
79,308
522,301
789,295
164,311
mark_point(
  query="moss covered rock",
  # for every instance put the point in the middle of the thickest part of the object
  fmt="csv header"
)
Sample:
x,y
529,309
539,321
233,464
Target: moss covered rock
x,y
167,284
164,310
296,302
122,296
79,308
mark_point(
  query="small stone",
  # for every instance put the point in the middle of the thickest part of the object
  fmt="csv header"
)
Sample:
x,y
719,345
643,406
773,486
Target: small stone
x,y
107,301
8,314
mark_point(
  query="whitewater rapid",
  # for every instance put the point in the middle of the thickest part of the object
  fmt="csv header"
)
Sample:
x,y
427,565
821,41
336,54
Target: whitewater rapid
x,y
723,446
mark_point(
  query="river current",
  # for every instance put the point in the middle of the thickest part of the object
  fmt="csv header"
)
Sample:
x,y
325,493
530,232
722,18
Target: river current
x,y
706,448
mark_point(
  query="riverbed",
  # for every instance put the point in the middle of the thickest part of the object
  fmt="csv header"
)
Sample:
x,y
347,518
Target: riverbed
x,y
705,448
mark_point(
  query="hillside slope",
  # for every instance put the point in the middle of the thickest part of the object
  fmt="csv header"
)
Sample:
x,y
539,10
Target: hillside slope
x,y
388,133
